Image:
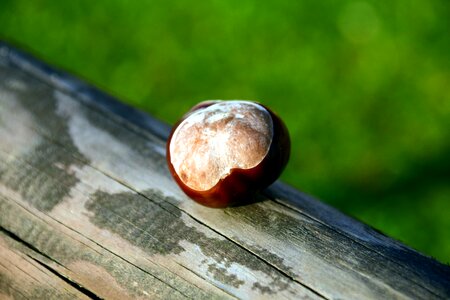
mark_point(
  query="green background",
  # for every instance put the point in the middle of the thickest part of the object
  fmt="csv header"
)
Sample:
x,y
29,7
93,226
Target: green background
x,y
362,85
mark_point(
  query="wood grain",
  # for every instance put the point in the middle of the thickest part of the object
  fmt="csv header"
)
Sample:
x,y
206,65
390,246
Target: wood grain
x,y
22,276
83,181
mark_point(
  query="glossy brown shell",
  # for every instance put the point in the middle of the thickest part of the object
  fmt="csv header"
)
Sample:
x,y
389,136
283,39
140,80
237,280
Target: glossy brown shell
x,y
240,185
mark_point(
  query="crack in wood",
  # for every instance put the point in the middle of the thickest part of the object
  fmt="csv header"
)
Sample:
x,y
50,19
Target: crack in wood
x,y
32,278
28,245
338,231
67,280
111,252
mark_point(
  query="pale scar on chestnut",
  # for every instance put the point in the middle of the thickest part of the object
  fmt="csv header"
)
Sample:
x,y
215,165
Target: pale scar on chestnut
x,y
214,140
217,137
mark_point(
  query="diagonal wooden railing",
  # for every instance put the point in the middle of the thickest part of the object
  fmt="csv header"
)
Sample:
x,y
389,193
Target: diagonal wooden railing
x,y
89,210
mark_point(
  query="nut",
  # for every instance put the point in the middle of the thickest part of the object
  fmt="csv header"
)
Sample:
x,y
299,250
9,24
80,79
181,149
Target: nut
x,y
222,153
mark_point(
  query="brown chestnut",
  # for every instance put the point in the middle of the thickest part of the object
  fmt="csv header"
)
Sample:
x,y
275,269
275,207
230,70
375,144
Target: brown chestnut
x,y
222,153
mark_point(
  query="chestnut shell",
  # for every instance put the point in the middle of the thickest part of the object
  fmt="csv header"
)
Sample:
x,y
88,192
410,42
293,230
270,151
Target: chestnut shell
x,y
240,185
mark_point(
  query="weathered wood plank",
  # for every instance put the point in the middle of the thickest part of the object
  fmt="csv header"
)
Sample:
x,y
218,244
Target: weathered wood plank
x,y
422,270
24,277
85,262
70,154
55,183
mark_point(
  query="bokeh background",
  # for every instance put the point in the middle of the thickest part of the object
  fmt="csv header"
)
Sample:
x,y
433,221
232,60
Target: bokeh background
x,y
364,86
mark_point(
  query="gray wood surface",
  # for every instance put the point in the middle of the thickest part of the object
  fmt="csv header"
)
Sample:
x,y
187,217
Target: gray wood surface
x,y
88,209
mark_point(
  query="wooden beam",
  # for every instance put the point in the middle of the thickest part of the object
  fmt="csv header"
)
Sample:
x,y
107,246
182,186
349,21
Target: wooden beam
x,y
83,181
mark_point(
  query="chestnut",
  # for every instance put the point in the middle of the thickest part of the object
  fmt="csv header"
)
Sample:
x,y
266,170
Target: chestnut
x,y
221,153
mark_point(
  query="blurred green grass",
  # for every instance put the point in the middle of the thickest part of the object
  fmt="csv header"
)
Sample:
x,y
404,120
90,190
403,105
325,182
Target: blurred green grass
x,y
362,85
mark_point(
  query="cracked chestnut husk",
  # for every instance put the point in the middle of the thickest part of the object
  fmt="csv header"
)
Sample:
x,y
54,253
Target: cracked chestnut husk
x,y
222,153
